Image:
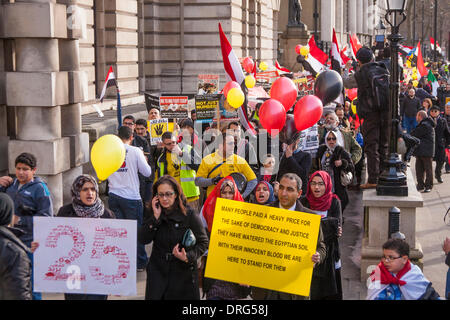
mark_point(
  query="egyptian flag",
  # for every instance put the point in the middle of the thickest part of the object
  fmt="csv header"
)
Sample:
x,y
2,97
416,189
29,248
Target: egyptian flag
x,y
422,70
335,52
437,43
109,82
355,44
410,280
277,65
234,72
316,57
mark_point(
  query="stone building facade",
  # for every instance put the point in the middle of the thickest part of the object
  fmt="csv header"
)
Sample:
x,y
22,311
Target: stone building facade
x,y
54,56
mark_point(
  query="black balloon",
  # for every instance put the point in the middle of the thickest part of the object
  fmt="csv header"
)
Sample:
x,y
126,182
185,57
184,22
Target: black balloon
x,y
328,86
289,134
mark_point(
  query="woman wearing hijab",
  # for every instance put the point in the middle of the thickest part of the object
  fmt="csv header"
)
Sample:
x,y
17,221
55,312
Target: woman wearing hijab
x,y
326,282
172,270
332,158
86,203
218,289
264,193
15,266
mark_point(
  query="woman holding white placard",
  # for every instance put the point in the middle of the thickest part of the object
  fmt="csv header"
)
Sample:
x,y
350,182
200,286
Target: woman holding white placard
x,y
86,203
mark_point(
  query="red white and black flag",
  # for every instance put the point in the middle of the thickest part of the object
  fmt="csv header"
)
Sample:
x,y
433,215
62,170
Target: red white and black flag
x,y
234,72
109,82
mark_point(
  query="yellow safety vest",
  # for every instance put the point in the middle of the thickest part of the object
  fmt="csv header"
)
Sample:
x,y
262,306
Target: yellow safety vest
x,y
187,176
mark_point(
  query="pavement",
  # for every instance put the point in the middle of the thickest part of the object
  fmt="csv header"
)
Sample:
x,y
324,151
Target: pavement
x,y
431,231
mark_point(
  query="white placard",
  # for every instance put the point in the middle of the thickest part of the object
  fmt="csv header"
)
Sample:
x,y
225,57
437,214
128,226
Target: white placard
x,y
83,255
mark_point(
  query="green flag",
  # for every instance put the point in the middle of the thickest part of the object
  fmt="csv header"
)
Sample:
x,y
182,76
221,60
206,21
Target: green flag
x,y
434,82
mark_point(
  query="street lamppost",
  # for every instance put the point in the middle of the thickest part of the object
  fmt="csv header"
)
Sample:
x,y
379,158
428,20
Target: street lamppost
x,y
392,181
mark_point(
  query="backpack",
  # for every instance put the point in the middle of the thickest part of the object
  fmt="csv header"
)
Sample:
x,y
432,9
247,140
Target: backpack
x,y
374,80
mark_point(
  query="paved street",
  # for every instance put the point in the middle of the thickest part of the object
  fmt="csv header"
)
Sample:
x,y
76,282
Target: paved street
x,y
431,232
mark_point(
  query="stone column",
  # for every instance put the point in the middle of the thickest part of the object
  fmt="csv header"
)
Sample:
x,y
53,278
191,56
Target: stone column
x,y
367,16
359,16
352,13
45,89
327,19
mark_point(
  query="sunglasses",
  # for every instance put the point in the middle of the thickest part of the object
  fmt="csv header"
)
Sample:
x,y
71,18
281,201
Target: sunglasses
x,y
331,139
165,195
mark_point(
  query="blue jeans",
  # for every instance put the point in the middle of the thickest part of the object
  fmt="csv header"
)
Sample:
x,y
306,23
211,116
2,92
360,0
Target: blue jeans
x,y
409,123
447,285
35,295
130,210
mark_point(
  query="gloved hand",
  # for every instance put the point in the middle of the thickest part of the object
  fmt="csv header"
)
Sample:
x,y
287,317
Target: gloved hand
x,y
216,180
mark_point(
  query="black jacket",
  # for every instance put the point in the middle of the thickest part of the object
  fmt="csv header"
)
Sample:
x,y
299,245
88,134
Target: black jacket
x,y
347,166
442,138
266,294
15,267
324,281
299,163
425,133
169,278
409,107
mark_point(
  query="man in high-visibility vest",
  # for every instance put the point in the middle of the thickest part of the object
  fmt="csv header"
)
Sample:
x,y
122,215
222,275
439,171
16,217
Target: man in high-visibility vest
x,y
180,164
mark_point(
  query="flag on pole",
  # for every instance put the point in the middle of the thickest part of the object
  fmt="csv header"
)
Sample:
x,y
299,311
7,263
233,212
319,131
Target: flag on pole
x,y
316,57
355,44
110,81
422,70
437,45
344,57
234,71
434,82
335,52
277,65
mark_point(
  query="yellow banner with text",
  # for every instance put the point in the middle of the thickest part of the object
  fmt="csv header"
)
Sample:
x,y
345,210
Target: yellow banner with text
x,y
262,246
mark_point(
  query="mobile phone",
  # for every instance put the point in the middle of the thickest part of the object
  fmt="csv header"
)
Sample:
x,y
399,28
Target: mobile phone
x,y
157,205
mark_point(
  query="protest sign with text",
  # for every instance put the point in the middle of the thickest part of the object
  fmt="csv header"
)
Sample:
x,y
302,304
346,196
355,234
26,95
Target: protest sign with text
x,y
262,246
87,256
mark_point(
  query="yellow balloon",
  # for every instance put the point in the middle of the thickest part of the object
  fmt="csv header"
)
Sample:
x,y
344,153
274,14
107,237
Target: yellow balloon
x,y
415,83
250,81
414,77
235,97
304,51
107,155
263,66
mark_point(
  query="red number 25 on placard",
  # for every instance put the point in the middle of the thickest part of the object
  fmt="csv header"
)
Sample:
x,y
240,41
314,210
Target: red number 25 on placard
x,y
98,251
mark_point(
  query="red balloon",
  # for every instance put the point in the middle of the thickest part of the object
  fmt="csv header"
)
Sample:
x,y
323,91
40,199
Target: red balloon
x,y
308,110
272,116
285,91
297,48
352,93
230,85
248,64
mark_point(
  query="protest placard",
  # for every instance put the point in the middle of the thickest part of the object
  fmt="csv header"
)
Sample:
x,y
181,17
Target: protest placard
x,y
262,246
208,84
206,106
156,128
88,256
174,107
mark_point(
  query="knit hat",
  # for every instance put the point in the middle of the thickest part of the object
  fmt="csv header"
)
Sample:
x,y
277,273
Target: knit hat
x,y
364,55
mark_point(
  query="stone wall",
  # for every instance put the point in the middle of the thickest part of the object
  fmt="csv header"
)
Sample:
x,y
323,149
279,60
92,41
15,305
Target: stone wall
x,y
44,88
181,39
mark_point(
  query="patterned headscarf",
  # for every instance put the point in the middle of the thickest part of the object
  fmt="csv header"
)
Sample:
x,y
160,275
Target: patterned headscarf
x,y
82,210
